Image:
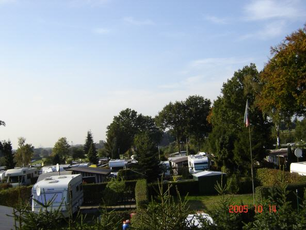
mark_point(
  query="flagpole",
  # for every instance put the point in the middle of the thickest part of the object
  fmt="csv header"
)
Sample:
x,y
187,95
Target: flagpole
x,y
247,124
252,174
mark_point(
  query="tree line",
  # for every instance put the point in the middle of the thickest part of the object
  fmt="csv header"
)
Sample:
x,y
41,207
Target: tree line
x,y
275,96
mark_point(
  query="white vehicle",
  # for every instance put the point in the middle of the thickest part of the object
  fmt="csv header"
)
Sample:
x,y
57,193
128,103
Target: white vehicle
x,y
298,167
52,168
65,192
197,163
116,165
2,175
196,220
21,176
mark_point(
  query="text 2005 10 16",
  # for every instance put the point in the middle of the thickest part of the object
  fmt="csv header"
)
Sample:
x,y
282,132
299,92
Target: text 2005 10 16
x,y
257,208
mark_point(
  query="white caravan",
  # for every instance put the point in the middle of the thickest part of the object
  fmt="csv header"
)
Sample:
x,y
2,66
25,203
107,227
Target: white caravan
x,y
298,167
198,162
21,176
64,191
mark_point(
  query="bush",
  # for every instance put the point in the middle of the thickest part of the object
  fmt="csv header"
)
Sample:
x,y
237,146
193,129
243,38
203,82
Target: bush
x,y
141,194
271,177
12,197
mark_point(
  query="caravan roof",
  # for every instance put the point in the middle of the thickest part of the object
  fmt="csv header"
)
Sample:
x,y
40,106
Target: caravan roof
x,y
56,182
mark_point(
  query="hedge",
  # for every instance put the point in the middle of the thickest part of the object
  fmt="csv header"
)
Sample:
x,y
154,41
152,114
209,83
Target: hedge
x,y
264,192
13,196
141,194
93,193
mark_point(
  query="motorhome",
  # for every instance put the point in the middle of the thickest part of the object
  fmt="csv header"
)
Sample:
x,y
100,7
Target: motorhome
x,y
298,167
64,192
198,162
21,176
116,165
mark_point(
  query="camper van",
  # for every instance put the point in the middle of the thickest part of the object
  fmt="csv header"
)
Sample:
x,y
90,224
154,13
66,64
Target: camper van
x,y
298,167
21,176
198,162
65,192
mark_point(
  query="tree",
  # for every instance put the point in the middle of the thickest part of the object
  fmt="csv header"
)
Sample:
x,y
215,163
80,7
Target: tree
x,y
24,153
300,130
77,153
121,132
88,142
147,156
172,118
2,123
283,80
6,148
92,154
197,111
62,149
229,140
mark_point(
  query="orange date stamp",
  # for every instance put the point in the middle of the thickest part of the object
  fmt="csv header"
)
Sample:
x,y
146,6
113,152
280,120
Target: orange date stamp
x,y
257,208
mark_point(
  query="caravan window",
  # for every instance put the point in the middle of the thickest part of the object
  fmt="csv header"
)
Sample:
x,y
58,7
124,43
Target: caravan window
x,y
46,197
201,166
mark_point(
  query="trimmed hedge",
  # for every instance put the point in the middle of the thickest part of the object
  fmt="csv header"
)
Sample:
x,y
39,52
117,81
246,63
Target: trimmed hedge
x,y
141,194
272,177
13,196
93,193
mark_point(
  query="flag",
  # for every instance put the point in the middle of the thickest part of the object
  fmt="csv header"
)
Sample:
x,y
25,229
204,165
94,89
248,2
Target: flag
x,y
246,114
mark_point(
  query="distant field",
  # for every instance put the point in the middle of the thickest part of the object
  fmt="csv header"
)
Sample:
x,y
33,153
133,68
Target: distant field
x,y
207,203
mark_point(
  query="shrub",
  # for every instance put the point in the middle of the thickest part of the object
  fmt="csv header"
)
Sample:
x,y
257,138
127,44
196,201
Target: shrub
x,y
12,197
141,194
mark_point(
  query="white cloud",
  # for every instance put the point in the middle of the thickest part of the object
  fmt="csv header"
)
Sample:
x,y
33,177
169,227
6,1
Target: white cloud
x,y
101,31
216,20
270,30
273,9
132,21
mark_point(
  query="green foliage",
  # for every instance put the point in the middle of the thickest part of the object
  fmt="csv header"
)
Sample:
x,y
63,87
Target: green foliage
x,y
283,78
162,213
121,132
6,149
24,153
77,153
62,149
147,156
229,139
284,216
113,192
300,131
141,194
92,154
186,120
12,197
272,177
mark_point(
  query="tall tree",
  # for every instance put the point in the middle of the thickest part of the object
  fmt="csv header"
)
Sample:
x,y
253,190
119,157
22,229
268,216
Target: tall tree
x,y
92,154
229,138
172,118
6,148
284,80
147,156
62,149
197,125
121,132
24,153
88,142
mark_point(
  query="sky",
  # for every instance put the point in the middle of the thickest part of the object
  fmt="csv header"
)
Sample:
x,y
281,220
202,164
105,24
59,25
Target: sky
x,y
69,66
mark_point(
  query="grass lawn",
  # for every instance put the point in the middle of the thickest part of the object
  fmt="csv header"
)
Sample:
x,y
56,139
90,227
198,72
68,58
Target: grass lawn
x,y
207,203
